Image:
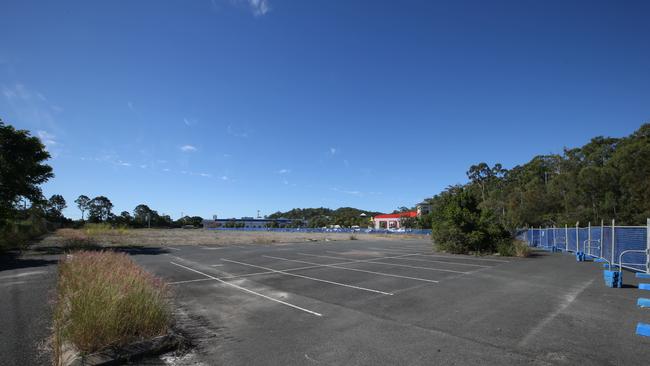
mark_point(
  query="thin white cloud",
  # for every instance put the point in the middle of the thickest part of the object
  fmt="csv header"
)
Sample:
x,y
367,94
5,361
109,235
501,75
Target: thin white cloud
x,y
188,148
189,121
46,138
350,192
224,177
284,171
33,108
167,170
205,175
259,7
333,150
236,133
123,163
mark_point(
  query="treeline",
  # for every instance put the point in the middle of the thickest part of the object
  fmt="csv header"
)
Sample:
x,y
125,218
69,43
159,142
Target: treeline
x,y
608,178
100,209
322,217
26,214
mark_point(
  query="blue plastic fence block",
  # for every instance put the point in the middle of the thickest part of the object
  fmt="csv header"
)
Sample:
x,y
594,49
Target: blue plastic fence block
x,y
644,286
643,329
643,303
613,278
599,260
643,275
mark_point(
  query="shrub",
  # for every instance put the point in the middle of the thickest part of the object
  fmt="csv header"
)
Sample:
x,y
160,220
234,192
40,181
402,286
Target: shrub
x,y
104,299
460,226
94,230
522,249
76,239
513,248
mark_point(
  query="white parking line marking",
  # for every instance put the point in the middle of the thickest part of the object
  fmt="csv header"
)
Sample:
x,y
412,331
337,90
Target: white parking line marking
x,y
247,290
354,269
374,261
447,256
188,281
309,278
401,257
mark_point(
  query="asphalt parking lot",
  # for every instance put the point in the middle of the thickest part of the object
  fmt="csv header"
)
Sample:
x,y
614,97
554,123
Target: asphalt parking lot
x,y
396,303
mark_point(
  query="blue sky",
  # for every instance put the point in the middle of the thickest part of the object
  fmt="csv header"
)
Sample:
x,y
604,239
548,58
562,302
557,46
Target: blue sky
x,y
230,106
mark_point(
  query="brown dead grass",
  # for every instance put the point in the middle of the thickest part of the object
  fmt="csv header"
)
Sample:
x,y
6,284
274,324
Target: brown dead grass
x,y
175,237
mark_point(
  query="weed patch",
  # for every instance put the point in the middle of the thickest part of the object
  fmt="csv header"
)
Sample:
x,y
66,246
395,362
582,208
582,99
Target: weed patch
x,y
105,300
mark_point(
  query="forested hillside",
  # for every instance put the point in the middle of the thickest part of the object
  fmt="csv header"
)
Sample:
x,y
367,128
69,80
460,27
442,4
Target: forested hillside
x,y
319,217
608,178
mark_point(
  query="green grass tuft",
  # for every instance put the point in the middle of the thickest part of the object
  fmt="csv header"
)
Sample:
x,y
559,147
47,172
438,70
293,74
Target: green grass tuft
x,y
104,299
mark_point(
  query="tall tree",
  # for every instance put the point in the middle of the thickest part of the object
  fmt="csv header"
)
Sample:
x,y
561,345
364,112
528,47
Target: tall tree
x,y
83,203
22,169
55,206
100,209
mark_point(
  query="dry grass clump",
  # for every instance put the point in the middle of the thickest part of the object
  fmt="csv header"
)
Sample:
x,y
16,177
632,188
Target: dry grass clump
x,y
105,300
75,239
522,249
514,248
95,230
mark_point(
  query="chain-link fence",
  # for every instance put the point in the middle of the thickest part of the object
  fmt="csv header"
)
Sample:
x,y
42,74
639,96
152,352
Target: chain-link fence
x,y
625,246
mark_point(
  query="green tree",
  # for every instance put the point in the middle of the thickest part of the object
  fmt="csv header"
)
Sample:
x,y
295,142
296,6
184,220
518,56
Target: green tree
x,y
55,206
22,169
99,209
83,204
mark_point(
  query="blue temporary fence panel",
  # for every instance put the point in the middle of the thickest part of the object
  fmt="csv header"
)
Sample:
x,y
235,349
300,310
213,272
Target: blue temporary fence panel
x,y
571,240
604,243
631,238
583,235
607,243
595,244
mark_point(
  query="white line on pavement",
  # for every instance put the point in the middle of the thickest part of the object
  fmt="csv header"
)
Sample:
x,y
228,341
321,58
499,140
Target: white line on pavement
x,y
401,257
309,278
354,269
374,261
249,291
447,256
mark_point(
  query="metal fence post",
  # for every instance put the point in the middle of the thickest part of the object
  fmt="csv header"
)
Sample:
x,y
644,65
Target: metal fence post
x,y
613,241
566,237
602,229
589,238
647,251
577,238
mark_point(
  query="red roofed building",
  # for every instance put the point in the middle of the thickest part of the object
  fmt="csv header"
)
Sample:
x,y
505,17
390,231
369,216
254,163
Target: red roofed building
x,y
392,221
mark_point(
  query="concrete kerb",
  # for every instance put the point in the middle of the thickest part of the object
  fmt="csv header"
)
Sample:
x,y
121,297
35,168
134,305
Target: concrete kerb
x,y
119,355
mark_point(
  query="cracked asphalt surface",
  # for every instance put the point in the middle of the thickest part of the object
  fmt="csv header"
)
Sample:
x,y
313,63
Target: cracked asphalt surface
x,y
360,303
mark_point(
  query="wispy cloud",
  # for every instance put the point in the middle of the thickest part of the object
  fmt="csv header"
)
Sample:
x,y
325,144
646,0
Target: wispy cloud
x,y
236,133
284,171
224,177
189,121
47,138
188,148
351,192
259,7
333,151
207,175
37,111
